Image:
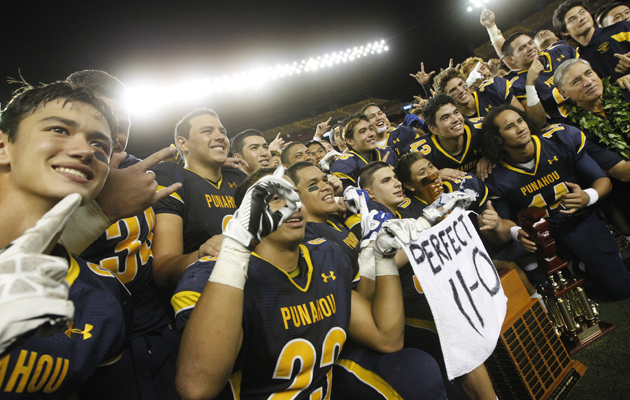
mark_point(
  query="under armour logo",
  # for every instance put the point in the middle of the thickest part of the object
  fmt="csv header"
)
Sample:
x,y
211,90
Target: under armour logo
x,y
489,108
232,185
86,333
331,276
603,47
560,58
551,160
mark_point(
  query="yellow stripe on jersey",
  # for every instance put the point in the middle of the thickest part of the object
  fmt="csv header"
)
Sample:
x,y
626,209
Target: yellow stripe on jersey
x,y
476,96
421,199
235,384
508,85
343,176
467,138
218,185
521,171
353,220
621,37
421,323
405,203
73,271
583,141
184,300
309,264
173,195
485,195
370,378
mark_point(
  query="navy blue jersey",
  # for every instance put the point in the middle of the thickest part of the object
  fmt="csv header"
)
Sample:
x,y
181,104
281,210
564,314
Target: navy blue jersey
x,y
201,203
559,157
285,319
400,137
348,165
492,93
550,97
603,156
56,366
602,47
336,232
125,250
466,160
413,206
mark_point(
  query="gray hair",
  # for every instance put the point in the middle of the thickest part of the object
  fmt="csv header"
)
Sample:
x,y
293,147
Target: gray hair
x,y
558,76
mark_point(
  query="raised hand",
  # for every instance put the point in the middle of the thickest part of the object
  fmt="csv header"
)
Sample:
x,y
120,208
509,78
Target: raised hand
x,y
254,219
130,191
422,77
487,18
322,128
489,219
278,144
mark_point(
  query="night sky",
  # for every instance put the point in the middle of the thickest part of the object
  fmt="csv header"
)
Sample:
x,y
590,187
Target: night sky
x,y
164,43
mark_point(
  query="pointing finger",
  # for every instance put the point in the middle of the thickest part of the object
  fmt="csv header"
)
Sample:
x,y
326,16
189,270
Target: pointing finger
x,y
156,158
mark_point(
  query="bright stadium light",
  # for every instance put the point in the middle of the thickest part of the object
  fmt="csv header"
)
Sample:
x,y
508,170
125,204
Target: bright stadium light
x,y
472,4
142,99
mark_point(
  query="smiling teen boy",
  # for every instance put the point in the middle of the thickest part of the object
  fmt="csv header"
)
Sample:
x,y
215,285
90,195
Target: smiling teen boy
x,y
56,140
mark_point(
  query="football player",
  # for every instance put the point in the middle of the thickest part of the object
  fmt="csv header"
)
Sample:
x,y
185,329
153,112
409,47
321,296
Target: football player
x,y
261,311
189,222
549,171
251,146
55,141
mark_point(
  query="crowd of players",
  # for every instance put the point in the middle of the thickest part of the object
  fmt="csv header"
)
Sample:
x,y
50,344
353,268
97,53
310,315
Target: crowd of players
x,y
229,268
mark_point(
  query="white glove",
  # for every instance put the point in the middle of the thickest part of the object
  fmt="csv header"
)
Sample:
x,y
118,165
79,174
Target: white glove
x,y
356,200
371,221
328,159
394,231
445,204
251,223
33,293
254,220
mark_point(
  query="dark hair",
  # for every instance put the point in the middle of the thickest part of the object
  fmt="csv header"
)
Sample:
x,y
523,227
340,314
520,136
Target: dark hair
x,y
102,83
366,175
312,142
183,126
349,124
293,171
558,16
491,140
239,194
284,157
29,98
433,106
365,107
403,166
444,77
603,11
238,141
507,48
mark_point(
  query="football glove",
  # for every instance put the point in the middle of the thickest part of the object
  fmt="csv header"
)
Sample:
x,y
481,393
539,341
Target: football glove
x,y
356,200
394,232
254,219
326,162
445,204
33,293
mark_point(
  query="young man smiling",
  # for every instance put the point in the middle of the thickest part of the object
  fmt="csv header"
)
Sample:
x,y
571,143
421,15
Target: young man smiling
x,y
251,146
189,222
360,137
454,145
55,141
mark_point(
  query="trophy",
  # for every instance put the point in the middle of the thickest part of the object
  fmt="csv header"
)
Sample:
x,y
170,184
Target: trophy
x,y
574,316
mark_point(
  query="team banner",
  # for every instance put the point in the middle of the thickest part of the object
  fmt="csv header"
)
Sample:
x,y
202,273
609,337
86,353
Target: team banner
x,y
463,290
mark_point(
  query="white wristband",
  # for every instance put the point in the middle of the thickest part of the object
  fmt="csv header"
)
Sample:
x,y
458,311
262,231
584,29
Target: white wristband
x,y
84,226
317,139
592,195
514,232
532,96
494,33
367,267
232,263
386,266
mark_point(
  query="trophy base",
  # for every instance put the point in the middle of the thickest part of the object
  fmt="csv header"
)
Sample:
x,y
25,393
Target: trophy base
x,y
583,339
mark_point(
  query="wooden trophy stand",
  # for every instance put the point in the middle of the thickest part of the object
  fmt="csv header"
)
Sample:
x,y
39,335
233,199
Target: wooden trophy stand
x,y
574,316
529,361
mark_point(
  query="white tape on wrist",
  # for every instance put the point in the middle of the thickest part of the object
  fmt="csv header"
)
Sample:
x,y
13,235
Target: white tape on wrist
x,y
386,266
495,34
84,227
232,263
514,232
367,267
592,195
532,96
